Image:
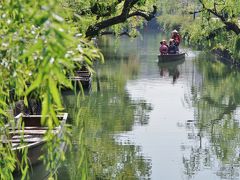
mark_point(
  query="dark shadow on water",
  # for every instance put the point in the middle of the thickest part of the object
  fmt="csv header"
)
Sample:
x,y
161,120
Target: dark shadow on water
x,y
170,69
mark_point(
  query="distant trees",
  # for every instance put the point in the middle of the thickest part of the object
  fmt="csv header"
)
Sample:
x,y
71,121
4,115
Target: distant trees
x,y
205,23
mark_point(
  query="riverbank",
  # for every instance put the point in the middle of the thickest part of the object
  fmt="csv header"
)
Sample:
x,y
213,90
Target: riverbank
x,y
225,57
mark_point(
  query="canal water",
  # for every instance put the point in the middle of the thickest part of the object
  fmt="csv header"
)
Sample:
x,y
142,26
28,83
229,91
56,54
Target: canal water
x,y
144,120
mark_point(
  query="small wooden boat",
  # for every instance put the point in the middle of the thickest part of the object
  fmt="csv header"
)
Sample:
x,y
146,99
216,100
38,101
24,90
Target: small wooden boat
x,y
171,63
31,137
82,78
171,57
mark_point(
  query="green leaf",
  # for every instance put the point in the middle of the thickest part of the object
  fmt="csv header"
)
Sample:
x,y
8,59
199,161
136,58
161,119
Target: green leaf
x,y
35,83
3,103
62,78
3,113
54,116
54,91
45,108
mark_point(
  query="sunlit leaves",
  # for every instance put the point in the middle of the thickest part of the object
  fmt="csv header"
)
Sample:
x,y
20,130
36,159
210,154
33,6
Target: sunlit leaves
x,y
35,60
91,12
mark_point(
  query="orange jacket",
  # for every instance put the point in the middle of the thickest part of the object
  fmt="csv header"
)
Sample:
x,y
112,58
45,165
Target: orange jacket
x,y
176,38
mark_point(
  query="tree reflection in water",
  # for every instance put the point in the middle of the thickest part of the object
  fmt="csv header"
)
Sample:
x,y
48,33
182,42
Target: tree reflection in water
x,y
215,132
96,118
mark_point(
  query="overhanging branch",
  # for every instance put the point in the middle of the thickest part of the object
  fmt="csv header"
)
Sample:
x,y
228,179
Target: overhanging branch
x,y
146,16
230,26
94,30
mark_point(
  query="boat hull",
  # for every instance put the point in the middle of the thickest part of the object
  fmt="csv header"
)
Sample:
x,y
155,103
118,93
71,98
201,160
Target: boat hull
x,y
31,138
34,153
171,57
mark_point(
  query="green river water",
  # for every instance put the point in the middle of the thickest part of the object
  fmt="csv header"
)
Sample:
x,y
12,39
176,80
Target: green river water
x,y
144,120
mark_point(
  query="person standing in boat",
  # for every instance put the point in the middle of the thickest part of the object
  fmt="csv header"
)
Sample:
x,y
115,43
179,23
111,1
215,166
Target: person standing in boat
x,y
163,47
177,38
172,48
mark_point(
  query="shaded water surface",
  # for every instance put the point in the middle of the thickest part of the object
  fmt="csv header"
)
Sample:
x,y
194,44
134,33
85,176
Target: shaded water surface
x,y
144,120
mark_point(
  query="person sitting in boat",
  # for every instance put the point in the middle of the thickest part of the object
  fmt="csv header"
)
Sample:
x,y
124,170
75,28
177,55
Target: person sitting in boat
x,y
163,48
172,48
177,38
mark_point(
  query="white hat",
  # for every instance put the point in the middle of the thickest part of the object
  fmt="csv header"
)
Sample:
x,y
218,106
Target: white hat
x,y
175,31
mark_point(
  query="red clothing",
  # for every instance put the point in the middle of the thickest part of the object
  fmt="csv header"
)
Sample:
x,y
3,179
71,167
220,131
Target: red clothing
x,y
163,49
176,38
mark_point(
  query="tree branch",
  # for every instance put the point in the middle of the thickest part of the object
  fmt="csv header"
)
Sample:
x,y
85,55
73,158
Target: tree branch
x,y
94,30
148,17
230,26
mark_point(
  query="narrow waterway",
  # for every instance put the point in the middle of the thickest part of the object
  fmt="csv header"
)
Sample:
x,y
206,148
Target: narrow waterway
x,y
144,120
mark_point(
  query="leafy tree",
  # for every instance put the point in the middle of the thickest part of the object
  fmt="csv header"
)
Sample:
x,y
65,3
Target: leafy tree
x,y
36,55
227,13
116,16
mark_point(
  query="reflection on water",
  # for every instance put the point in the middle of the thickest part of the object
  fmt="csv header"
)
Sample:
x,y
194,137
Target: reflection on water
x,y
144,120
105,111
170,69
215,130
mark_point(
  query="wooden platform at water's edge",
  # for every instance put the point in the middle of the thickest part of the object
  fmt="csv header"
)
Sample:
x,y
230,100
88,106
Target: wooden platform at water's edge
x,y
171,57
82,78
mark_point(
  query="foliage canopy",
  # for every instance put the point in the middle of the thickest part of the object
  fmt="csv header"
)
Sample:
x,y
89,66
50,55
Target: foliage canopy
x,y
118,16
37,50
